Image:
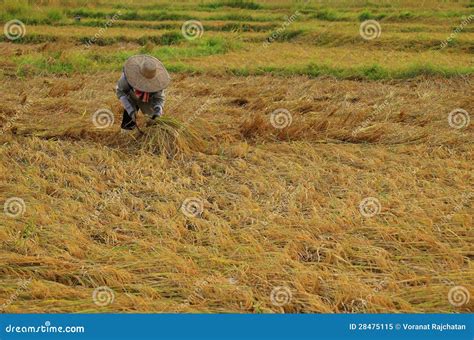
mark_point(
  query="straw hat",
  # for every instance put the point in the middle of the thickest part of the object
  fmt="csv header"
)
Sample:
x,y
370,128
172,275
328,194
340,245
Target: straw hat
x,y
146,73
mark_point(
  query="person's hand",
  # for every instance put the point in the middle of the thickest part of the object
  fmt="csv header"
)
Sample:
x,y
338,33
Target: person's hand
x,y
158,112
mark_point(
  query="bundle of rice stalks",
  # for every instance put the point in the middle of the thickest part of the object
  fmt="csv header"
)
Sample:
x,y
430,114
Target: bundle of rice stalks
x,y
169,136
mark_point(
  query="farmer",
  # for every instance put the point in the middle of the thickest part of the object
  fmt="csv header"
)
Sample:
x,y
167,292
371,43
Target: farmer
x,y
141,87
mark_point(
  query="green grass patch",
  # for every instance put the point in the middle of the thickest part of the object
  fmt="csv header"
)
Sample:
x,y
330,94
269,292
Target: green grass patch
x,y
196,48
367,15
286,35
213,45
242,17
408,15
103,23
153,15
240,27
243,4
225,27
371,72
38,64
168,38
127,14
416,70
171,38
59,63
329,15
183,68
22,10
54,15
376,72
32,38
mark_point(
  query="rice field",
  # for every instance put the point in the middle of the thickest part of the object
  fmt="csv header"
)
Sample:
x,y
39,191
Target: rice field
x,y
314,157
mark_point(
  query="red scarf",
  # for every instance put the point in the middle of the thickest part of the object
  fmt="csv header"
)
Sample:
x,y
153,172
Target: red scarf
x,y
143,96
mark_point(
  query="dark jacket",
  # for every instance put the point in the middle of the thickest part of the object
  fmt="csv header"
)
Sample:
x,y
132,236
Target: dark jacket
x,y
131,103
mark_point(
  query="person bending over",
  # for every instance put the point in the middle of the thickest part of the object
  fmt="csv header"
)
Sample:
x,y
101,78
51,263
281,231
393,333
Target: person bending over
x,y
142,87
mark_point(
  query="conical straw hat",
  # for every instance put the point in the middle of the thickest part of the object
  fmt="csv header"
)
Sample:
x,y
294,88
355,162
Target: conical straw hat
x,y
146,73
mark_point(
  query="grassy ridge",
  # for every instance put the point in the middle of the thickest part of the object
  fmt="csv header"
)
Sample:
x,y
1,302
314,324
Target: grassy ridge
x,y
243,11
313,27
58,64
349,36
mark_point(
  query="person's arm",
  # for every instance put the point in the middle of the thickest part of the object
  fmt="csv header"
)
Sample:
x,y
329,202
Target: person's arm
x,y
122,90
158,102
